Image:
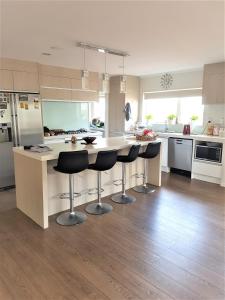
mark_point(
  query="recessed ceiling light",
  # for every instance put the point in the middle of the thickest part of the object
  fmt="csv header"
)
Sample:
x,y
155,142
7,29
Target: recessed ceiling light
x,y
55,48
46,54
101,50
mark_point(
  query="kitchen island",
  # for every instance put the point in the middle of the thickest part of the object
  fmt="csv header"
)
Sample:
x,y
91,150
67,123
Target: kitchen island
x,y
39,187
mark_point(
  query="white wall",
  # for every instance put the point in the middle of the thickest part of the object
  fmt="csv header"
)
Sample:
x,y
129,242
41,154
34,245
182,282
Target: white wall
x,y
182,80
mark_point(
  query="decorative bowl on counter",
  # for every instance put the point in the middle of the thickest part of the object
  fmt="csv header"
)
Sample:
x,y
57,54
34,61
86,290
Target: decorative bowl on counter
x,y
89,139
146,135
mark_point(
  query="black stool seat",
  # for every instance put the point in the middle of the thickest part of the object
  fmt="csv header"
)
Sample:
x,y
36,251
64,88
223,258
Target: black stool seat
x,y
131,156
70,163
105,160
152,150
122,197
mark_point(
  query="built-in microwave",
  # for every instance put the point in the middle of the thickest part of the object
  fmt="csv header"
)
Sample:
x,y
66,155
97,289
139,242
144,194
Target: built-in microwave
x,y
209,151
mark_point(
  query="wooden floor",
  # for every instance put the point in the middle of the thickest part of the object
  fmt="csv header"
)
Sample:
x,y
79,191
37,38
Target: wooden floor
x,y
168,245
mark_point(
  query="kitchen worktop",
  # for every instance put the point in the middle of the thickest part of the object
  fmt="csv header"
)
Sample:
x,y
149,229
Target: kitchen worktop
x,y
200,137
101,144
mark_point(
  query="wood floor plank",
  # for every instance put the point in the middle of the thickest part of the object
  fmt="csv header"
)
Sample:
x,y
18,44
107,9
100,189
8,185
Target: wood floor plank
x,y
167,245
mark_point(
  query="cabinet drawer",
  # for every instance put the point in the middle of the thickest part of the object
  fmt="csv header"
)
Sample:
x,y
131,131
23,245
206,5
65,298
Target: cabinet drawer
x,y
206,169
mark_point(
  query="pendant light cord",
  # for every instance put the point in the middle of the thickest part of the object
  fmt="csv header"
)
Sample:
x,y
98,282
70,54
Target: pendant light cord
x,y
84,59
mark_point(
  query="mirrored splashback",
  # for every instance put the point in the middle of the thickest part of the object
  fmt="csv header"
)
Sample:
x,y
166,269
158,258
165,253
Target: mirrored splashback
x,y
65,115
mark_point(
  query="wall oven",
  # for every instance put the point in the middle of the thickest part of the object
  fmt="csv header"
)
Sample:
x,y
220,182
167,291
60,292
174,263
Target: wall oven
x,y
208,151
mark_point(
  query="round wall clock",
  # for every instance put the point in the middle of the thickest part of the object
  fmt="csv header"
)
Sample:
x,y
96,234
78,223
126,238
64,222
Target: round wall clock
x,y
166,81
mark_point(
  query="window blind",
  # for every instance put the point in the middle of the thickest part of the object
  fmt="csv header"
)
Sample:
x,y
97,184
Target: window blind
x,y
173,93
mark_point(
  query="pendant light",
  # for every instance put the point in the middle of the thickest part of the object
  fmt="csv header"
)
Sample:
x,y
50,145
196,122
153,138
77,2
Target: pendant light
x,y
85,73
123,81
105,80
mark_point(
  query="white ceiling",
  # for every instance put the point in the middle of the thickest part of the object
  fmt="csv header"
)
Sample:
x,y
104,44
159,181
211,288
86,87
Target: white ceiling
x,y
159,35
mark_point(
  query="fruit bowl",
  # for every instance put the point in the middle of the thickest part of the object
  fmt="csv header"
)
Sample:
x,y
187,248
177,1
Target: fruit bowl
x,y
146,135
89,139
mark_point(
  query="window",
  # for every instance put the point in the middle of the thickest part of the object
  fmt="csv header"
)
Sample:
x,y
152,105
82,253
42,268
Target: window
x,y
98,109
183,107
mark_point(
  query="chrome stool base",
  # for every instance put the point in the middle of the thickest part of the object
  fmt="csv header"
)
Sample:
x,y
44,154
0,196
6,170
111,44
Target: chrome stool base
x,y
71,218
145,189
98,209
123,199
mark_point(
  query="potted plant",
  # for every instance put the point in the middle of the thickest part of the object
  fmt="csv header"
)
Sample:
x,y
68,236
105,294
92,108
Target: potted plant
x,y
171,119
148,118
194,118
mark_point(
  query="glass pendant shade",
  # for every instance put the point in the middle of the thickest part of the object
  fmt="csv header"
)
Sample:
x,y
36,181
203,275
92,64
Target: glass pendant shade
x,y
123,84
85,80
105,83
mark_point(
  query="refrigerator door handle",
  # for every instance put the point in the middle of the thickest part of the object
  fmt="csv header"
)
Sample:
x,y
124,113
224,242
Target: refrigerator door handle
x,y
16,103
14,122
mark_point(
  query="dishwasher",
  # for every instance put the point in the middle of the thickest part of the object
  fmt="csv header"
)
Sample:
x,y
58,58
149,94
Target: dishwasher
x,y
180,154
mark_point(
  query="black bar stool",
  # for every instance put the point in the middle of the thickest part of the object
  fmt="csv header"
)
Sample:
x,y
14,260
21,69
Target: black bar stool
x,y
123,198
151,151
70,163
105,161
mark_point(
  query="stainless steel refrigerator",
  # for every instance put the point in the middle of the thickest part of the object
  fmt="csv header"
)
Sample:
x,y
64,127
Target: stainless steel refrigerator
x,y
20,125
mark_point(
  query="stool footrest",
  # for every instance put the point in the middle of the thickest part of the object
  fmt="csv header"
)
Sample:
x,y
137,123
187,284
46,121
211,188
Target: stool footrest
x,y
117,182
139,175
94,191
67,195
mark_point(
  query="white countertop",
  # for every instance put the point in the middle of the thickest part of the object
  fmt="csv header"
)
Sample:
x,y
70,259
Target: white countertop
x,y
200,137
101,144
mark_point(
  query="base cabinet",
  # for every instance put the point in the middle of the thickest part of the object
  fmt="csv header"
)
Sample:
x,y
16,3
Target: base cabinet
x,y
164,149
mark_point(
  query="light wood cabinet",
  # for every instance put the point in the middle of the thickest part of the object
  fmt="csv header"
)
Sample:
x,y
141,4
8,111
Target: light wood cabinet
x,y
76,83
84,96
55,82
25,82
55,94
6,80
18,65
59,71
214,84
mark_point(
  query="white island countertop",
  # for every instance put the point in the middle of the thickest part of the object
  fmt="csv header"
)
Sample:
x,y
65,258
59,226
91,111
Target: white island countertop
x,y
101,144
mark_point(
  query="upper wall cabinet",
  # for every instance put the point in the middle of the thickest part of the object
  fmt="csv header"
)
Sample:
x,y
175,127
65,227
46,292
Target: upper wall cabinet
x,y
6,80
25,82
54,82
214,83
18,75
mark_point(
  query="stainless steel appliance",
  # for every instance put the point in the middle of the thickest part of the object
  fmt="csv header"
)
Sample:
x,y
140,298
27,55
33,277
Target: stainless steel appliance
x,y
209,151
20,125
180,154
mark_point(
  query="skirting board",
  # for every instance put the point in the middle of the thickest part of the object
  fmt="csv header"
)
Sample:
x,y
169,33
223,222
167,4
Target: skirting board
x,y
206,178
